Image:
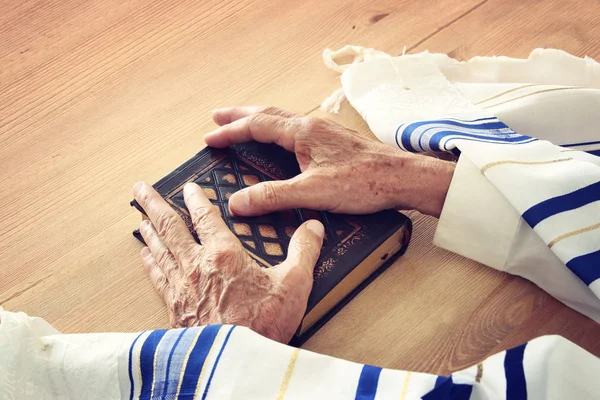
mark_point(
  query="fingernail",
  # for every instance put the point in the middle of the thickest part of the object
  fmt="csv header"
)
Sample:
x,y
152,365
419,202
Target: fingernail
x,y
316,227
188,189
242,201
146,252
137,187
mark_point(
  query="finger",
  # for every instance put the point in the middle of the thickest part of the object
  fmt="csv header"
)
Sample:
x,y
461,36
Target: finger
x,y
301,191
264,128
305,246
157,277
227,115
160,253
207,222
169,225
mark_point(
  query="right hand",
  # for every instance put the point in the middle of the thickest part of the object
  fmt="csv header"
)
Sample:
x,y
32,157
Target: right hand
x,y
218,282
341,172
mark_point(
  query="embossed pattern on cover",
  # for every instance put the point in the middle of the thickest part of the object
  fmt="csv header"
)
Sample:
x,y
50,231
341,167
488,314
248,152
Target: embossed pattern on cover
x,y
350,239
266,237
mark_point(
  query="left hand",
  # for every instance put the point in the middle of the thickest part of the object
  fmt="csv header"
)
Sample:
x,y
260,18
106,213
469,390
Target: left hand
x,y
341,171
218,282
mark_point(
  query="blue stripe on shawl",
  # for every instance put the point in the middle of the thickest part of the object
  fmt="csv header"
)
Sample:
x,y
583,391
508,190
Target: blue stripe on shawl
x,y
570,201
525,139
147,362
594,152
446,389
434,141
130,367
176,361
367,383
489,131
516,387
161,372
196,361
169,358
214,368
586,267
485,136
580,144
165,384
492,123
411,127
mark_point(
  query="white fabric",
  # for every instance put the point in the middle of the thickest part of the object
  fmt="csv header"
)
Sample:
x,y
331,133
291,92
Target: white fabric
x,y
478,222
387,90
39,363
491,110
472,206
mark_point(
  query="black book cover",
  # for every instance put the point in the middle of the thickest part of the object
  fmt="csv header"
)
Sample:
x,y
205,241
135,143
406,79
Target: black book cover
x,y
356,248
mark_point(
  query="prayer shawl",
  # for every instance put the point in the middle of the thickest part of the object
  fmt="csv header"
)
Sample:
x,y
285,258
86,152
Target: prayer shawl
x,y
517,203
232,362
525,196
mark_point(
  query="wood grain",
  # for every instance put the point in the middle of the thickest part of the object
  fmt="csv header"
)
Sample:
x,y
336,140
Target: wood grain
x,y
97,95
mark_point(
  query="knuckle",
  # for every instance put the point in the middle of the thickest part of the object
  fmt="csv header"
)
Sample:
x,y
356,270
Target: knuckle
x,y
188,258
162,256
312,124
149,231
146,198
222,255
305,244
270,195
162,285
279,112
295,125
272,110
223,252
165,223
173,272
175,311
201,214
192,275
256,119
306,249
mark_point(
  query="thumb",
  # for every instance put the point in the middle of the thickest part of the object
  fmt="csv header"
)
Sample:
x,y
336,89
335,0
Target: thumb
x,y
305,246
266,197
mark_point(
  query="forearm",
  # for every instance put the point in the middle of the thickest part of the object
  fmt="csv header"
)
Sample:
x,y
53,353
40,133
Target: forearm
x,y
432,179
421,183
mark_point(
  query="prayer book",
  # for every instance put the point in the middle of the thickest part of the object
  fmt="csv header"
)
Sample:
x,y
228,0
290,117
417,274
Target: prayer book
x,y
356,248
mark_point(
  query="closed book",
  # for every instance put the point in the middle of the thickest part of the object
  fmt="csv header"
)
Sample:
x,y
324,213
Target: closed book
x,y
356,248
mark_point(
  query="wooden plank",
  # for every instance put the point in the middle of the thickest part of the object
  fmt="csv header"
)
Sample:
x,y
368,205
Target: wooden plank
x,y
515,28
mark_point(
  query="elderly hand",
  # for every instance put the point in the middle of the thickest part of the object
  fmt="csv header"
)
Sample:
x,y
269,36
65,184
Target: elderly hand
x,y
218,282
341,172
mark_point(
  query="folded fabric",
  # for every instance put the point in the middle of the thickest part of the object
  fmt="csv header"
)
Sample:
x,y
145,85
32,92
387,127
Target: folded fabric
x,y
232,362
518,202
551,95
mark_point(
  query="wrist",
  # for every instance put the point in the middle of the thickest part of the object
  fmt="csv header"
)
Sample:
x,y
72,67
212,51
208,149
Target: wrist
x,y
425,184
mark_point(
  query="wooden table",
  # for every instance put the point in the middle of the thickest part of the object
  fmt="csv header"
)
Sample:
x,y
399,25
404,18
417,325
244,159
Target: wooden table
x,y
95,95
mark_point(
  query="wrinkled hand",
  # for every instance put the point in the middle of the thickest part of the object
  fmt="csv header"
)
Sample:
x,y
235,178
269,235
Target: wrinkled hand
x,y
218,282
341,172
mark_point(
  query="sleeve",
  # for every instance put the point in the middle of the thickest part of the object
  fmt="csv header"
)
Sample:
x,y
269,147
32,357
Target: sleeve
x,y
232,362
480,223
